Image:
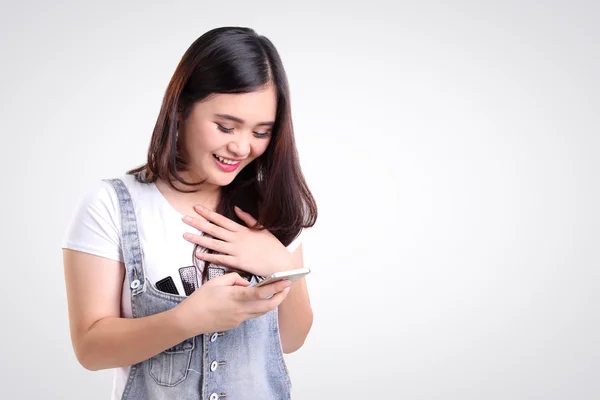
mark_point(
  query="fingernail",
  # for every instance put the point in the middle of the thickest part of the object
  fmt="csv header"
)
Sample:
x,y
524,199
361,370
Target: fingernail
x,y
199,208
187,219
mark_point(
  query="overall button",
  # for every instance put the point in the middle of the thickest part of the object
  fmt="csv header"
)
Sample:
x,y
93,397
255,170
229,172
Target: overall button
x,y
214,337
135,284
214,396
213,366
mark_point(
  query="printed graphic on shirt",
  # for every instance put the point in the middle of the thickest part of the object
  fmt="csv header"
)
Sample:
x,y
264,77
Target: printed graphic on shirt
x,y
167,285
189,279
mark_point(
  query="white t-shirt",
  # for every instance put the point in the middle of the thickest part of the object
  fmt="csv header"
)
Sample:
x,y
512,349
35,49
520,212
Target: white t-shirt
x,y
95,228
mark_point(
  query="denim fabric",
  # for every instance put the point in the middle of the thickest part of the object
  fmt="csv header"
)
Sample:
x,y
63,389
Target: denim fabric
x,y
241,363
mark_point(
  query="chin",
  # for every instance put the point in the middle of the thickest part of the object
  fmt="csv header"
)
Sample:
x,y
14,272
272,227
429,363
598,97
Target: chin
x,y
222,182
222,179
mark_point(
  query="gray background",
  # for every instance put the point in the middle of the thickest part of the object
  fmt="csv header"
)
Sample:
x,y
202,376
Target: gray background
x,y
452,148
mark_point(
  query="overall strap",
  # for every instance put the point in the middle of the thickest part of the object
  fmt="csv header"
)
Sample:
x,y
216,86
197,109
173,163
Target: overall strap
x,y
132,254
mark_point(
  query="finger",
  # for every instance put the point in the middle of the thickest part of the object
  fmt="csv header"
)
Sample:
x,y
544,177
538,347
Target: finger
x,y
253,294
218,259
209,243
264,306
278,298
207,227
266,291
246,217
229,279
218,219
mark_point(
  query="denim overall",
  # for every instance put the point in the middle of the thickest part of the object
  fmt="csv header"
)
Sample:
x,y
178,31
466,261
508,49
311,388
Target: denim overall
x,y
243,363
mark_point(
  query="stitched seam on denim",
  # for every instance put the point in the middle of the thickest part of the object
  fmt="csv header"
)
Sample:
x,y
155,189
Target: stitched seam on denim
x,y
136,259
159,361
129,385
278,346
204,367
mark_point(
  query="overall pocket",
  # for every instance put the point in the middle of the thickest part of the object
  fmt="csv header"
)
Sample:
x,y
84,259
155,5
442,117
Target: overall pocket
x,y
170,367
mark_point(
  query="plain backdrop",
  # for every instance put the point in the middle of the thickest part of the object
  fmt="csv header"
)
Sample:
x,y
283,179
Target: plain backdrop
x,y
452,147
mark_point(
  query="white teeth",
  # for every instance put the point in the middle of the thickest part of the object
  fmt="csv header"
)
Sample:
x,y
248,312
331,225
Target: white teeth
x,y
226,161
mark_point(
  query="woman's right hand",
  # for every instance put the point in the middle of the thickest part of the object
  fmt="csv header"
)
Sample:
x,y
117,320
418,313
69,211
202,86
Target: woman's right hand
x,y
225,302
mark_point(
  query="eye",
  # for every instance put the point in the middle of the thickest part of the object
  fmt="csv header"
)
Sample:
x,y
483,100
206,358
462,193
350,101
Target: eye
x,y
223,129
262,135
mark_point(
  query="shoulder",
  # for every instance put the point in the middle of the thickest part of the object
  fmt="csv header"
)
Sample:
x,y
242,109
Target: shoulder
x,y
99,195
130,182
94,226
105,189
99,200
295,243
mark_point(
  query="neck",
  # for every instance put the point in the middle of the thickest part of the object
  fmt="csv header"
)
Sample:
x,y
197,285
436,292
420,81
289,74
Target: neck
x,y
206,194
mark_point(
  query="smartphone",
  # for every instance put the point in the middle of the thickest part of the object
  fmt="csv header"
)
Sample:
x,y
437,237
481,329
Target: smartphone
x,y
292,275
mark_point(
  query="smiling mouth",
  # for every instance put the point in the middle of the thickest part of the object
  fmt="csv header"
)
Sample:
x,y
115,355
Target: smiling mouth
x,y
226,160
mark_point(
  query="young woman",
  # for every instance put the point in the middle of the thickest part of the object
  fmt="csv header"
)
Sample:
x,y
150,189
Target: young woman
x,y
160,263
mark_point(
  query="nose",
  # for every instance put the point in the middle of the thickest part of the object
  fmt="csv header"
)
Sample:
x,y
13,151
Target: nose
x,y
240,146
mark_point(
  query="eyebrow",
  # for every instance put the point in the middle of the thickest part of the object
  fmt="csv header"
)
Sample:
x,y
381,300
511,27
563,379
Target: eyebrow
x,y
241,121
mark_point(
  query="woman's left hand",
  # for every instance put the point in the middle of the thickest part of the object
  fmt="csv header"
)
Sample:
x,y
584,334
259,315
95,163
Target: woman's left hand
x,y
258,252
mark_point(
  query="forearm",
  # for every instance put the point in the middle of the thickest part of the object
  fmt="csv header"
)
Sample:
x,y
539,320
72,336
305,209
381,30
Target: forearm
x,y
295,317
114,342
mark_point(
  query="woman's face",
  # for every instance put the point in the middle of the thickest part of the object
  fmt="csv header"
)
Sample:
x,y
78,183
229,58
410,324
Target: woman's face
x,y
225,132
